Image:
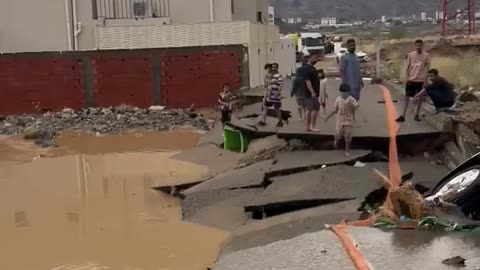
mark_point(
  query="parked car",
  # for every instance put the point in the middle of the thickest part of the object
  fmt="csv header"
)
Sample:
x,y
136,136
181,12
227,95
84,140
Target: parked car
x,y
337,39
362,57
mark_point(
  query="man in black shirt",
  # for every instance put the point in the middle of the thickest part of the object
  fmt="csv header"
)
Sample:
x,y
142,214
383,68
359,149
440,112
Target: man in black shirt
x,y
439,90
308,73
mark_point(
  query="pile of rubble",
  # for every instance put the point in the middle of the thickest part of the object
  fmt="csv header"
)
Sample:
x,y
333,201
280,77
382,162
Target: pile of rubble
x,y
112,120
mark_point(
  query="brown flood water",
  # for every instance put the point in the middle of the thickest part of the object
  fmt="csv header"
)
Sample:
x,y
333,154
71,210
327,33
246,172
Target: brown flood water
x,y
86,211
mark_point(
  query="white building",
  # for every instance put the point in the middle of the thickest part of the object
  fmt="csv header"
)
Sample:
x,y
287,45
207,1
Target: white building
x,y
61,25
423,16
329,21
271,15
65,25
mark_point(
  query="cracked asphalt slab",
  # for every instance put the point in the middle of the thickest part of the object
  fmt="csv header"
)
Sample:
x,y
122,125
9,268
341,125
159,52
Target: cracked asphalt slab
x,y
289,225
413,250
250,176
298,160
383,250
320,250
245,191
283,163
322,184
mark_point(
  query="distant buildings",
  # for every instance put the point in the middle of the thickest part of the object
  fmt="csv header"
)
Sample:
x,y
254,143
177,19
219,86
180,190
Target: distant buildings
x,y
292,20
438,15
423,16
331,21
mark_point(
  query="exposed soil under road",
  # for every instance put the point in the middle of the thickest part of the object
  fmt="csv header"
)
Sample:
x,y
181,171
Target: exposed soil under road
x,y
96,209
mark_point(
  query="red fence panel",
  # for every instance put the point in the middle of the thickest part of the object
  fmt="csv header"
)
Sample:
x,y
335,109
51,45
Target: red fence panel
x,y
36,84
197,78
122,79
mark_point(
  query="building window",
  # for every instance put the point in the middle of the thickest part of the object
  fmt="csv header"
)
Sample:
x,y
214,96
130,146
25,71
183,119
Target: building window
x,y
130,9
233,6
259,17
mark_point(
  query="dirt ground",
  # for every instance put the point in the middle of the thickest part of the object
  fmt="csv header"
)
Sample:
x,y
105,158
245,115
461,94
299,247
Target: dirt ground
x,y
89,204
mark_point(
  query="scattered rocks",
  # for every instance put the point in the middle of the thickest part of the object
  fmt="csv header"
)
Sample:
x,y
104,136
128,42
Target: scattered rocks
x,y
455,261
113,120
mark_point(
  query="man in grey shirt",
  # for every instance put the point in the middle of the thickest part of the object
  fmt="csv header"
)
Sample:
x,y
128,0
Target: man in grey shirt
x,y
350,72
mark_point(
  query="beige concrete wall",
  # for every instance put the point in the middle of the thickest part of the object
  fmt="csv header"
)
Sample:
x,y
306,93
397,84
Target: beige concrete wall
x,y
24,25
247,10
32,25
222,10
244,10
198,11
86,38
284,55
175,35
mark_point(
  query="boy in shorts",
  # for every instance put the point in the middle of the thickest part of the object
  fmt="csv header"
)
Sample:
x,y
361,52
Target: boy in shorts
x,y
345,106
418,63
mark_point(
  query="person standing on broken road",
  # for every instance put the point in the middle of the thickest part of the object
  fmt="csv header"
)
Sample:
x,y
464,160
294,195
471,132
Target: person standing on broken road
x,y
309,74
351,73
418,63
345,106
273,97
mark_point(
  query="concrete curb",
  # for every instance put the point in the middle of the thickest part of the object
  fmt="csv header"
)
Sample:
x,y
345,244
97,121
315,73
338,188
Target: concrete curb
x,y
465,139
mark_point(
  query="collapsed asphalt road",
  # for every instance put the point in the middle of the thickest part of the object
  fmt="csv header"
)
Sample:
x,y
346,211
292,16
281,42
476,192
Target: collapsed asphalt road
x,y
293,193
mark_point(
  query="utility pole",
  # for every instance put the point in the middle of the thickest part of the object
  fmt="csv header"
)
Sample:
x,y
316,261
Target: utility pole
x,y
377,64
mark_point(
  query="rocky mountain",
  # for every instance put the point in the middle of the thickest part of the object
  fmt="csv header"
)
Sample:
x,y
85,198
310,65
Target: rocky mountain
x,y
353,9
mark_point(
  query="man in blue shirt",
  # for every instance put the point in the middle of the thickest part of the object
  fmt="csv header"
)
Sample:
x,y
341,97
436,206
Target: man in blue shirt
x,y
350,72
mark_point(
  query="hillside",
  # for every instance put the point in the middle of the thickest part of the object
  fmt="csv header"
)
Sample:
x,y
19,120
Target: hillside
x,y
353,9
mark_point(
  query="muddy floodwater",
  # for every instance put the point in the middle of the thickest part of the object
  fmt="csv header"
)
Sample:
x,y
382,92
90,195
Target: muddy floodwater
x,y
96,209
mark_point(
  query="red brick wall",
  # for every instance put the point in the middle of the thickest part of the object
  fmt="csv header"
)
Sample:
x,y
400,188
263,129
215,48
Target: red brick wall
x,y
198,78
122,79
37,82
33,84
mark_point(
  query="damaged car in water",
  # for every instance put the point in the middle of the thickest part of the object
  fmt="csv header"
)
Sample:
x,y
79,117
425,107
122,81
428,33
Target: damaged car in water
x,y
461,187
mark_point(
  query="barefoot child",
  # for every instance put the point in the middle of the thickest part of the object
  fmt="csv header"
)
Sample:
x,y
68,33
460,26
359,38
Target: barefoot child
x,y
323,91
345,107
226,104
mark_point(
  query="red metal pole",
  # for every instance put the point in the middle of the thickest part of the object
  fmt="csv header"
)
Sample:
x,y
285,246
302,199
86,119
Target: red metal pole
x,y
444,17
471,19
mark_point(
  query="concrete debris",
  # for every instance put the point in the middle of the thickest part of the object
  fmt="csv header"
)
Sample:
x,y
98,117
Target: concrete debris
x,y
263,149
408,202
456,261
112,120
296,144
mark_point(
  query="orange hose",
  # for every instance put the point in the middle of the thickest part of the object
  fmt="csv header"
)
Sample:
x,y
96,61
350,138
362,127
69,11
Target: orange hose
x,y
395,178
392,126
341,232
